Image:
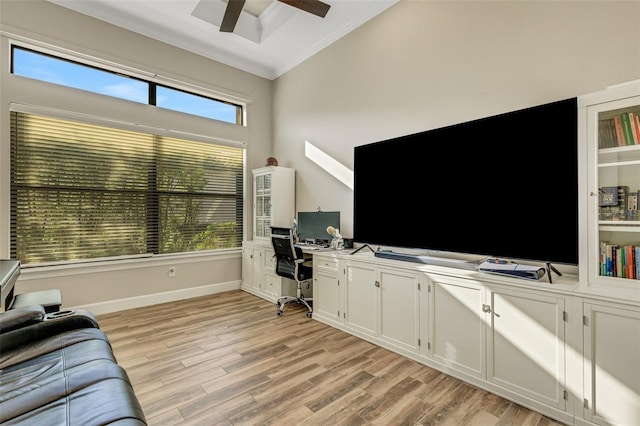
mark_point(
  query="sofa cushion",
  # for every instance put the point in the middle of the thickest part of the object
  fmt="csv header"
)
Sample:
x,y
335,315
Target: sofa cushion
x,y
66,379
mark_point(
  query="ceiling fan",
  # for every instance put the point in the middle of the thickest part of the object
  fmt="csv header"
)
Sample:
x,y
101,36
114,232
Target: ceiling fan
x,y
234,7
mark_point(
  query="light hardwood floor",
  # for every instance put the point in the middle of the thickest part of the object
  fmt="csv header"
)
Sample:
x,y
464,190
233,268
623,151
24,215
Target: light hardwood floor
x,y
228,359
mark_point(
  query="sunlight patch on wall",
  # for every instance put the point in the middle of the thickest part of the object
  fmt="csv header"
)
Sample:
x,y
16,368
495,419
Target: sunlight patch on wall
x,y
329,164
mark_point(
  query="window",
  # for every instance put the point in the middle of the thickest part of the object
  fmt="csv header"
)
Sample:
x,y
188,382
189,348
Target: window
x,y
39,66
178,100
84,192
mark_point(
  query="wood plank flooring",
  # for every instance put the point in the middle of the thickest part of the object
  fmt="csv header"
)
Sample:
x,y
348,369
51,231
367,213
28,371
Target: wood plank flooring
x,y
228,359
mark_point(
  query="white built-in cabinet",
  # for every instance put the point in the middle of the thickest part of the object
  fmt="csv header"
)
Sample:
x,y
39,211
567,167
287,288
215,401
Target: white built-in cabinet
x,y
609,292
507,339
382,303
273,205
612,174
611,363
514,339
273,200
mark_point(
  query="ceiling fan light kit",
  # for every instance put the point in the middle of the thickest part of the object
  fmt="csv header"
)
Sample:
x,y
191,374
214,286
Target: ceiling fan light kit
x,y
234,8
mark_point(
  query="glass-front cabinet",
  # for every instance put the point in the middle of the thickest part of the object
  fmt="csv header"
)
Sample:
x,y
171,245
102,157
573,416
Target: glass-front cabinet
x,y
273,199
613,177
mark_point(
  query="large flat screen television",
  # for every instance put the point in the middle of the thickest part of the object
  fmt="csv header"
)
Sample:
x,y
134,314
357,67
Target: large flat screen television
x,y
504,186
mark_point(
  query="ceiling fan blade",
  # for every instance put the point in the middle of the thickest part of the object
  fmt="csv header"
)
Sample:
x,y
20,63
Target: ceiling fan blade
x,y
231,15
315,7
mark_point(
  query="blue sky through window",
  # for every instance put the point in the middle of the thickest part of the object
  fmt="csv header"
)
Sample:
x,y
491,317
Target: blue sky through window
x,y
47,68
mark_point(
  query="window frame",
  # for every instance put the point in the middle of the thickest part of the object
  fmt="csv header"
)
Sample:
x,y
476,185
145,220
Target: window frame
x,y
118,125
152,80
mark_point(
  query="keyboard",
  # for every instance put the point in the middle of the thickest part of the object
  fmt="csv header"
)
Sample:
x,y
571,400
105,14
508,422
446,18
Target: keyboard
x,y
311,246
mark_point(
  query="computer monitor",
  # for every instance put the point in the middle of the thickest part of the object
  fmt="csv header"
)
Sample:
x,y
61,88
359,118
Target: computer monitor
x,y
312,226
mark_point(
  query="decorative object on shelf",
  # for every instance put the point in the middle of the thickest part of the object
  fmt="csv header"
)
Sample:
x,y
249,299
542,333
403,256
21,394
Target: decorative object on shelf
x,y
337,243
270,161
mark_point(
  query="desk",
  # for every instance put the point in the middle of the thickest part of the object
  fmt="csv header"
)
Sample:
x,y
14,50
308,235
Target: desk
x,y
9,271
258,269
311,248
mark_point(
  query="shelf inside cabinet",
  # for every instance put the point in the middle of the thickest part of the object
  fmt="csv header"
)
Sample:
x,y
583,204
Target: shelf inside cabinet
x,y
623,226
621,156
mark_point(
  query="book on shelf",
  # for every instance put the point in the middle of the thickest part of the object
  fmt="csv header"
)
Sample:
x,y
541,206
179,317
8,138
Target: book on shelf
x,y
626,128
636,126
620,261
632,205
623,195
619,130
607,133
635,132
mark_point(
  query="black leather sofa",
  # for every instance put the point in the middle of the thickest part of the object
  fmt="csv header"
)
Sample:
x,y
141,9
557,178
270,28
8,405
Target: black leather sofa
x,y
59,369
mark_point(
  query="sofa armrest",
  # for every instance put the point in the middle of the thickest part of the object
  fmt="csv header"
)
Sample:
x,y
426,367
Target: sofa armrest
x,y
21,317
50,325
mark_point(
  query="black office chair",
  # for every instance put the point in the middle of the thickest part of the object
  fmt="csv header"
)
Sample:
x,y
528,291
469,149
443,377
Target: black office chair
x,y
290,263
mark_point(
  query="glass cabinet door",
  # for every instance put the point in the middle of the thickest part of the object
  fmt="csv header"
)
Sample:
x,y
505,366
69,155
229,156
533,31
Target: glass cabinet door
x,y
616,192
263,205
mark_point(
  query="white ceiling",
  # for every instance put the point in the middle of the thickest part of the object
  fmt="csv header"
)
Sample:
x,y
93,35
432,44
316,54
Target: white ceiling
x,y
270,37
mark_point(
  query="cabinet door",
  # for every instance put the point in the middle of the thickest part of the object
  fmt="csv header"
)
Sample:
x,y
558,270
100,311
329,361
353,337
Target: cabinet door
x,y
457,331
399,308
613,179
273,199
249,274
262,205
612,365
326,289
526,345
361,298
326,296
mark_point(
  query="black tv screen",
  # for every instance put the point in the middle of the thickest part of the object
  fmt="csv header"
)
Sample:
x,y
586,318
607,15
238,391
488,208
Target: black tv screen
x,y
504,186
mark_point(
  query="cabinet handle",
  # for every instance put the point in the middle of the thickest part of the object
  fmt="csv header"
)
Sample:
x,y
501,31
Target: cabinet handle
x,y
486,308
377,283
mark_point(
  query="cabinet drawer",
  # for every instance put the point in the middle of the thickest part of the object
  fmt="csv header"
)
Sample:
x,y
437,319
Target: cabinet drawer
x,y
272,285
329,264
269,260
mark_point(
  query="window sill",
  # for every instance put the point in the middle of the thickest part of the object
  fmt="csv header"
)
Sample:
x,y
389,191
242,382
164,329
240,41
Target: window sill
x,y
39,272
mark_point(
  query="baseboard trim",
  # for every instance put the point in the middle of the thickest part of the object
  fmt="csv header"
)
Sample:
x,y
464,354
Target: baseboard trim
x,y
156,298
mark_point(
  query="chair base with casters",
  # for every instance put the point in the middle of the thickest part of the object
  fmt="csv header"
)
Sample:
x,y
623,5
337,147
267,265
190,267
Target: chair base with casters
x,y
298,299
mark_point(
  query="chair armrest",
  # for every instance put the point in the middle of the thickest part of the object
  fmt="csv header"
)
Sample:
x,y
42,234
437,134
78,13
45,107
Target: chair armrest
x,y
49,325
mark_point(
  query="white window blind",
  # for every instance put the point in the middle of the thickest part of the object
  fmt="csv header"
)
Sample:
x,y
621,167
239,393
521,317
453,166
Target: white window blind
x,y
84,191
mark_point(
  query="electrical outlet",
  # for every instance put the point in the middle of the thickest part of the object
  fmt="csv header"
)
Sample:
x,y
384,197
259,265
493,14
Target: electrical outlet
x,y
172,271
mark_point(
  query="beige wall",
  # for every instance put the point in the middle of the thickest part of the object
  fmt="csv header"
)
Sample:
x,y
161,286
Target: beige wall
x,y
426,64
124,284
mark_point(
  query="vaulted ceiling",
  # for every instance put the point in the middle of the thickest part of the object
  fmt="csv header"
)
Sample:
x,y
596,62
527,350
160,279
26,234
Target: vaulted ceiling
x,y
269,39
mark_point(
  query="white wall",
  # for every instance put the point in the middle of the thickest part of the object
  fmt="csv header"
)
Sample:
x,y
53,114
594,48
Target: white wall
x,y
426,64
118,285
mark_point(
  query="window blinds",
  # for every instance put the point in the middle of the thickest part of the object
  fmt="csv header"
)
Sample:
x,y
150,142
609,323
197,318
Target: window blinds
x,y
84,192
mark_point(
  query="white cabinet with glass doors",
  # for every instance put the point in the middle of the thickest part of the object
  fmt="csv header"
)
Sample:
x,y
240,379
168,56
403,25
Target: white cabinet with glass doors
x,y
273,200
609,122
